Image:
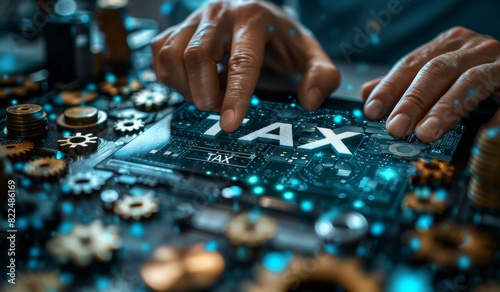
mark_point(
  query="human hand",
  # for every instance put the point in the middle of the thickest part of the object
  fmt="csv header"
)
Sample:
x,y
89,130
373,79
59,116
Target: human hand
x,y
186,57
432,88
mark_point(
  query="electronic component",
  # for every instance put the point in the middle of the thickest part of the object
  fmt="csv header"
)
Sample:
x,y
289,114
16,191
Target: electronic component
x,y
150,100
128,127
79,144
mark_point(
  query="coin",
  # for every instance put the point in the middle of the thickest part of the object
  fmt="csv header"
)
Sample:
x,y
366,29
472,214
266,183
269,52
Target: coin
x,y
81,115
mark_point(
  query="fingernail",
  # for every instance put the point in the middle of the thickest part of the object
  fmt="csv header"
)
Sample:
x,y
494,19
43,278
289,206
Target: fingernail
x,y
226,118
374,109
400,125
430,129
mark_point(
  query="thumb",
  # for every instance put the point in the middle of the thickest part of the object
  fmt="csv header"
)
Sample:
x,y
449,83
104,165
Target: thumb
x,y
319,80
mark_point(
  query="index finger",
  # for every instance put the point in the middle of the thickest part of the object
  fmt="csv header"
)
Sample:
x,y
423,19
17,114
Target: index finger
x,y
247,55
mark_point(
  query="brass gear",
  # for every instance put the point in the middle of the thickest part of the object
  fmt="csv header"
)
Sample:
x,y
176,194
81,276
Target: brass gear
x,y
16,150
434,170
79,144
84,243
251,229
46,168
446,243
346,273
136,207
432,204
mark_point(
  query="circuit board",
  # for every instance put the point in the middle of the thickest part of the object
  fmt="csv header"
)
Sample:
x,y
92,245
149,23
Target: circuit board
x,y
329,156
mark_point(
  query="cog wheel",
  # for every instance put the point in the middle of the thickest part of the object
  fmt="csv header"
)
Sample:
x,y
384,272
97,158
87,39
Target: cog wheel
x,y
35,282
345,273
84,243
426,201
83,183
193,268
447,245
432,171
45,168
16,150
149,100
79,144
251,229
39,211
136,207
128,126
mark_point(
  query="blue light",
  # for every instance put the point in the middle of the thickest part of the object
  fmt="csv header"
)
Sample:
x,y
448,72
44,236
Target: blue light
x,y
129,23
166,8
456,101
32,264
275,262
59,155
211,246
67,208
26,182
358,204
258,190
407,280
21,223
288,196
415,243
294,181
237,191
91,87
279,187
66,278
136,229
35,252
110,77
494,132
331,249
208,172
117,98
423,193
475,151
255,100
440,194
350,87
66,227
320,154
271,29
145,247
424,222
102,283
357,113
7,62
66,133
13,102
306,206
377,228
253,179
293,104
52,117
375,39
464,262
388,173
337,119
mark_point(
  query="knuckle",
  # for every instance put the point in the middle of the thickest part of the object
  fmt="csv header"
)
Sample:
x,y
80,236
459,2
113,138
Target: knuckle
x,y
252,9
416,99
242,60
457,32
444,65
410,63
488,45
194,53
473,76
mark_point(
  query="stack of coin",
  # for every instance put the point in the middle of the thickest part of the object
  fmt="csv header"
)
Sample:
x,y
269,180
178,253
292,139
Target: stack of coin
x,y
484,164
27,121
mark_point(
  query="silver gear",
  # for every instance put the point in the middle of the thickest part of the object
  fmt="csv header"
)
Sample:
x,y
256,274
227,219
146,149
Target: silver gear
x,y
131,207
149,100
78,144
84,182
128,126
84,243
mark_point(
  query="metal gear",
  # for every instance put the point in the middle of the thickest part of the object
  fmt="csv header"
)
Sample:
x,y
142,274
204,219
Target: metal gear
x,y
149,100
79,144
16,150
45,168
136,207
345,273
434,170
431,203
446,244
183,269
83,183
84,243
128,126
35,282
251,229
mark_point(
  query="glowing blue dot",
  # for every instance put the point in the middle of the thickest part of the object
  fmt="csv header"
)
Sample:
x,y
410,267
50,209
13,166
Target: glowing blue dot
x,y
66,227
319,154
136,229
258,190
361,251
253,179
22,223
375,39
19,166
350,87
35,252
211,246
475,151
129,23
440,195
494,132
358,204
294,182
117,98
32,264
65,189
456,101
377,228
66,278
26,182
472,91
423,193
275,262
331,249
293,104
279,187
48,107
110,77
357,113
388,173
208,172
67,208
255,100
337,119
271,29
424,222
60,155
166,8
306,206
13,102
52,117
191,107
102,283
91,87
288,196
464,262
66,133
145,247
237,191
408,280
